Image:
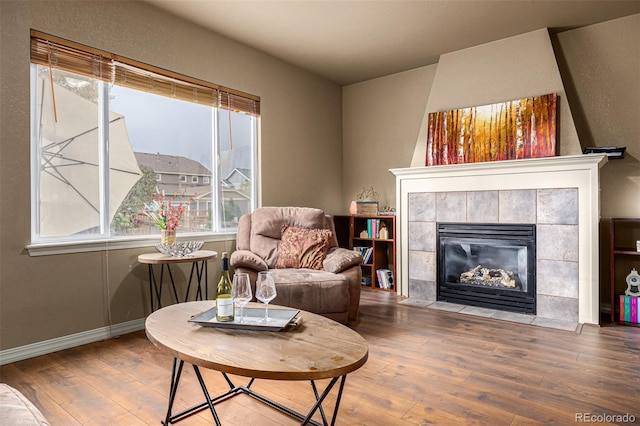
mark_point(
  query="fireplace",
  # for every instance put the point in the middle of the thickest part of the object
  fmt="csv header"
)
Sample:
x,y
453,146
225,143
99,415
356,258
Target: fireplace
x,y
488,265
560,195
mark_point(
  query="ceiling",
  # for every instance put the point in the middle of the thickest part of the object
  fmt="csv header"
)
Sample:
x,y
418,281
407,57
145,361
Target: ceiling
x,y
351,41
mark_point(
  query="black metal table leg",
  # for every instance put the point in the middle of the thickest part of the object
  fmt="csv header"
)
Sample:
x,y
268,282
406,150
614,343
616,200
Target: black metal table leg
x,y
173,284
315,392
155,285
199,273
206,281
318,404
206,395
338,399
175,379
209,402
198,268
186,294
150,269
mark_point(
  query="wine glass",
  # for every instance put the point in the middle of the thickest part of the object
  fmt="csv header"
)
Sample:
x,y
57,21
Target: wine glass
x,y
241,292
265,292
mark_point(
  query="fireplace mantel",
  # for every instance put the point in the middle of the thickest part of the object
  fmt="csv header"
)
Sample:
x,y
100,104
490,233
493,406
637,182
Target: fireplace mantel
x,y
577,171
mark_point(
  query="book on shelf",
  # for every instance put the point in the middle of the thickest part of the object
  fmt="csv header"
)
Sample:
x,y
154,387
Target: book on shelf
x,y
629,309
373,228
385,278
369,255
365,252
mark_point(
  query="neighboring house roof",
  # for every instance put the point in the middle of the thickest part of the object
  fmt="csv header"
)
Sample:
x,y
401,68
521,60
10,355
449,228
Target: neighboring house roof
x,y
171,164
244,173
236,177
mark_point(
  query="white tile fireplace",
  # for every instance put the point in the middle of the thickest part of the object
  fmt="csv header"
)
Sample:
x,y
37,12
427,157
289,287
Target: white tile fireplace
x,y
560,195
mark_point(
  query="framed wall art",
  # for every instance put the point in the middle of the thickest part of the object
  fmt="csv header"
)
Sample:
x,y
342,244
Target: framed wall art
x,y
523,128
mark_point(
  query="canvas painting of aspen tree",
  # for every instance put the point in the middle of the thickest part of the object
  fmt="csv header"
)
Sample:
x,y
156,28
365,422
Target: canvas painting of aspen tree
x,y
523,128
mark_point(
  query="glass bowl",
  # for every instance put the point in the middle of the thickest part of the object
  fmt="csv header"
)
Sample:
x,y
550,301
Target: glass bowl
x,y
180,248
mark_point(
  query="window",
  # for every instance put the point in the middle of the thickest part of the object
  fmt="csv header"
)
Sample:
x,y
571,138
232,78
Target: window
x,y
108,134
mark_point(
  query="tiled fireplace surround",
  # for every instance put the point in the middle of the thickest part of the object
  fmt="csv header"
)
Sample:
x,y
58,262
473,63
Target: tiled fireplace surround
x,y
553,211
560,195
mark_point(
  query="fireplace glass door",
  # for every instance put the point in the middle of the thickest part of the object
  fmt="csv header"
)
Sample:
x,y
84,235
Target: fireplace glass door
x,y
488,265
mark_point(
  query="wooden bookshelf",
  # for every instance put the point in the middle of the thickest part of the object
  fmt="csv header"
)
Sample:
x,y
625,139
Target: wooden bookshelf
x,y
349,231
623,232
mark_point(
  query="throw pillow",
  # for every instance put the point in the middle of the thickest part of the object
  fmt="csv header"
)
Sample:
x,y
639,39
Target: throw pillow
x,y
303,248
339,259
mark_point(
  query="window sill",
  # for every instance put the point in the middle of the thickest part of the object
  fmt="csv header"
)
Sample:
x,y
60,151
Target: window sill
x,y
45,249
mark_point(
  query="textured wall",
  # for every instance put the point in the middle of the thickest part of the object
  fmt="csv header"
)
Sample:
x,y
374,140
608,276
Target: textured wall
x,y
380,126
601,65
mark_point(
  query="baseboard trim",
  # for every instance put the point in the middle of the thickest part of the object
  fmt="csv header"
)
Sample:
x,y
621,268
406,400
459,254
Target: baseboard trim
x,y
53,345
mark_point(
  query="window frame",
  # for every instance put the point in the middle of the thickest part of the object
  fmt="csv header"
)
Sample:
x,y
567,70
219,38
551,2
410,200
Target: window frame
x,y
229,99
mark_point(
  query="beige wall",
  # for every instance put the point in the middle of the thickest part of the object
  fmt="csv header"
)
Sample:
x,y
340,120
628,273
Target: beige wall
x,y
381,121
601,68
47,297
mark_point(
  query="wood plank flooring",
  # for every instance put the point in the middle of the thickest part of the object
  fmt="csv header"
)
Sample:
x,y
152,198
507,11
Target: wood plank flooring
x,y
425,367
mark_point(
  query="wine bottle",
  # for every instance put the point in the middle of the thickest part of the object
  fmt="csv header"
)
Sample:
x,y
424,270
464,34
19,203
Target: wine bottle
x,y
224,300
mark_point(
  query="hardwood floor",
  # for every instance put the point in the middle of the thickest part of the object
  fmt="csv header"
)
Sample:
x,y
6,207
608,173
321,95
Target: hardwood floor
x,y
425,367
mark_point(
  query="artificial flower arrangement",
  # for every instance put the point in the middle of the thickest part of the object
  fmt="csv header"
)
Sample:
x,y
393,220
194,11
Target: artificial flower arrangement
x,y
165,213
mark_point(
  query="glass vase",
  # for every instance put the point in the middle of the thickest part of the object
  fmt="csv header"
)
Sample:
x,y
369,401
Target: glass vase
x,y
168,237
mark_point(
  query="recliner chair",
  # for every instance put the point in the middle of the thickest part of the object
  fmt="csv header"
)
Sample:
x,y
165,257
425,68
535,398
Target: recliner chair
x,y
332,289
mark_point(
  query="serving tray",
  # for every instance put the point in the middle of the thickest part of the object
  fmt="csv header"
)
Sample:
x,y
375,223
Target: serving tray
x,y
282,319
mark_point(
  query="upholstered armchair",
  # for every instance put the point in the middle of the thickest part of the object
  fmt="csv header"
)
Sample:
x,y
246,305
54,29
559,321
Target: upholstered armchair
x,y
299,247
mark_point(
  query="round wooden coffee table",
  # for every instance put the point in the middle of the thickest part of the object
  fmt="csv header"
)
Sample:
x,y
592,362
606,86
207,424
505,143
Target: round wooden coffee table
x,y
319,348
